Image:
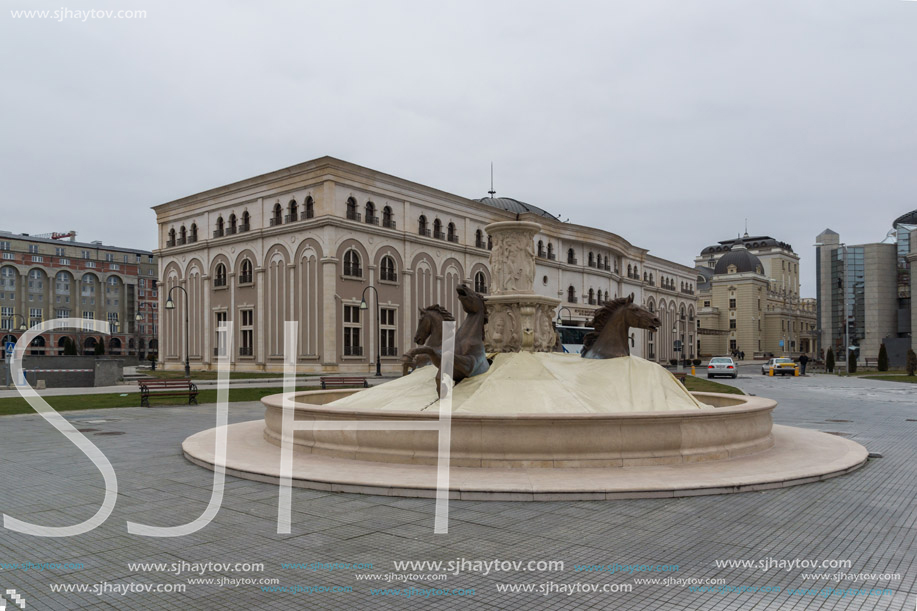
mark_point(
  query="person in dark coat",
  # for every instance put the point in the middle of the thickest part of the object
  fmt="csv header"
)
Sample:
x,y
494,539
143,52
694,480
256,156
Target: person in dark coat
x,y
803,360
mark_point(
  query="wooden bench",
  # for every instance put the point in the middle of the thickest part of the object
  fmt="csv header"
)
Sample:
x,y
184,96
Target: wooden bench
x,y
166,388
872,362
353,381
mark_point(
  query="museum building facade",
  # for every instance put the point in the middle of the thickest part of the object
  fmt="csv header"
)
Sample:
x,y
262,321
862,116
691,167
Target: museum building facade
x,y
313,242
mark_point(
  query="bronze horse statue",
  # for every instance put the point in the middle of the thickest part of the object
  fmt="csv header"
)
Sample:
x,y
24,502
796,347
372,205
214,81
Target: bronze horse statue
x,y
612,323
430,332
470,359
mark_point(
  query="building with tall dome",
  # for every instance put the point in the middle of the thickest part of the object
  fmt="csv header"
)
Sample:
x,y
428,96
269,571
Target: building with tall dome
x,y
311,242
749,301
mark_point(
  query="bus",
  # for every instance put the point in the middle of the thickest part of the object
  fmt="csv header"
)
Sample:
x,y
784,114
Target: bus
x,y
572,337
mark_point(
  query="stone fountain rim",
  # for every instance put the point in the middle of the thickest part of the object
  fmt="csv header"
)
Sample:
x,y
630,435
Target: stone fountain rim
x,y
745,404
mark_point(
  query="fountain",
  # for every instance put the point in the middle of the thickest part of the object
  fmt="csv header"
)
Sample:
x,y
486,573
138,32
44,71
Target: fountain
x,y
527,423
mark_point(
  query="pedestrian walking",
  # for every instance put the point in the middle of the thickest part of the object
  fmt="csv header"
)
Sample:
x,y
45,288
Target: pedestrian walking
x,y
803,360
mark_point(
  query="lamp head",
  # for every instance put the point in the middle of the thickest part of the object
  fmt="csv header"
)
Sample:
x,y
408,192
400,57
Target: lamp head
x,y
170,305
363,305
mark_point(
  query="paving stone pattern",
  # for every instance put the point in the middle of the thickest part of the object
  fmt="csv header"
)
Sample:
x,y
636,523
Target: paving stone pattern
x,y
868,518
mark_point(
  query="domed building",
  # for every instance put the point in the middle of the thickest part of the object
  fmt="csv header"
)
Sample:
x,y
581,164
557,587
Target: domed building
x,y
748,300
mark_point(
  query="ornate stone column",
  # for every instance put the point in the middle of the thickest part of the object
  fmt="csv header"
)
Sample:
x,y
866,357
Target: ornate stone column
x,y
518,319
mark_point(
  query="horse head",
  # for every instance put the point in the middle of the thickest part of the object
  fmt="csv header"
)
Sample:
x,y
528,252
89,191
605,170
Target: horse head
x,y
431,320
472,302
639,317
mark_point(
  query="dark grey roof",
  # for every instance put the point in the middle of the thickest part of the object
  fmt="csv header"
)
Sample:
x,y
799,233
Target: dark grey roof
x,y
741,258
828,231
514,205
749,242
906,219
704,276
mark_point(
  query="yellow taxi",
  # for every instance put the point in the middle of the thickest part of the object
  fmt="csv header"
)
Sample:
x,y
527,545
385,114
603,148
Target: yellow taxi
x,y
780,367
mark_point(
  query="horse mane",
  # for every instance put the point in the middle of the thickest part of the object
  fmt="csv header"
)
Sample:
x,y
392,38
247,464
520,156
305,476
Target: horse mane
x,y
438,309
603,315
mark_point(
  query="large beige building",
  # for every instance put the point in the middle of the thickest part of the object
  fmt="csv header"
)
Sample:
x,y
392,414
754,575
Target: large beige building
x,y
310,242
748,298
54,276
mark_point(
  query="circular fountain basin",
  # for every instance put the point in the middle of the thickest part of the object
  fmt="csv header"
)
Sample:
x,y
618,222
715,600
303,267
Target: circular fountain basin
x,y
739,425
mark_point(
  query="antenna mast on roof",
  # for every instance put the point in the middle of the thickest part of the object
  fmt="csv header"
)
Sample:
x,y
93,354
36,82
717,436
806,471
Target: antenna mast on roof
x,y
492,192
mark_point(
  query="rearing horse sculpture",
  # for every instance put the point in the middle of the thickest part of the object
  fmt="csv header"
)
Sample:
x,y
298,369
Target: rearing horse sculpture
x,y
430,332
611,324
470,359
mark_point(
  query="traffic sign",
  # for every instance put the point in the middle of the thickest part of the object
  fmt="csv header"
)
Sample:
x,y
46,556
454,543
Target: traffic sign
x,y
781,343
677,345
9,346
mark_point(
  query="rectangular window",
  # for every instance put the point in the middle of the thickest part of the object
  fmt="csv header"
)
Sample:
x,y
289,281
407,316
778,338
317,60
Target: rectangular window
x,y
6,317
37,259
9,256
388,329
127,259
85,254
109,257
114,267
35,316
63,313
732,304
88,315
4,245
59,252
33,248
142,283
113,322
150,258
352,328
732,323
90,264
732,344
220,343
247,347
64,261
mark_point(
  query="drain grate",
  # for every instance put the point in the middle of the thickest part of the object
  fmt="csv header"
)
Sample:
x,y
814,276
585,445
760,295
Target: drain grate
x,y
87,430
910,419
829,420
838,433
111,433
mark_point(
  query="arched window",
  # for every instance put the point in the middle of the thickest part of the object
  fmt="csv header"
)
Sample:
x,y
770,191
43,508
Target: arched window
x,y
480,283
550,251
246,221
606,296
182,235
607,267
571,256
371,214
61,283
591,259
171,241
245,274
192,235
310,208
277,217
352,214
220,275
387,220
651,280
541,248
450,233
490,243
438,229
591,297
630,271
352,264
388,269
571,295
422,226
218,232
292,211
232,224
645,276
479,239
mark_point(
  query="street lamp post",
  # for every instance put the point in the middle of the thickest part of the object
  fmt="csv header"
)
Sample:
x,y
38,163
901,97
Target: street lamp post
x,y
679,348
170,305
138,319
364,307
569,311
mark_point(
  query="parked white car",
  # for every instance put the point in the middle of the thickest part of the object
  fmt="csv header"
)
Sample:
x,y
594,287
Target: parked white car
x,y
722,366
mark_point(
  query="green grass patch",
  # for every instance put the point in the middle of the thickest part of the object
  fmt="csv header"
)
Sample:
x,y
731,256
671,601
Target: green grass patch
x,y
898,378
64,403
210,375
695,384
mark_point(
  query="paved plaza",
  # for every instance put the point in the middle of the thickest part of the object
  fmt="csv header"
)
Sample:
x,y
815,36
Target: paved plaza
x,y
863,523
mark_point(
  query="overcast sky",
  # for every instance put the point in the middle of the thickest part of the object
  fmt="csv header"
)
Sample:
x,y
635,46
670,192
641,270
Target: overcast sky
x,y
667,122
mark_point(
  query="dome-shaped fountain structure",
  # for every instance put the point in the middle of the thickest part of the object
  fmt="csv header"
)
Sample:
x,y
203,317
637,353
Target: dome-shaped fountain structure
x,y
535,425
